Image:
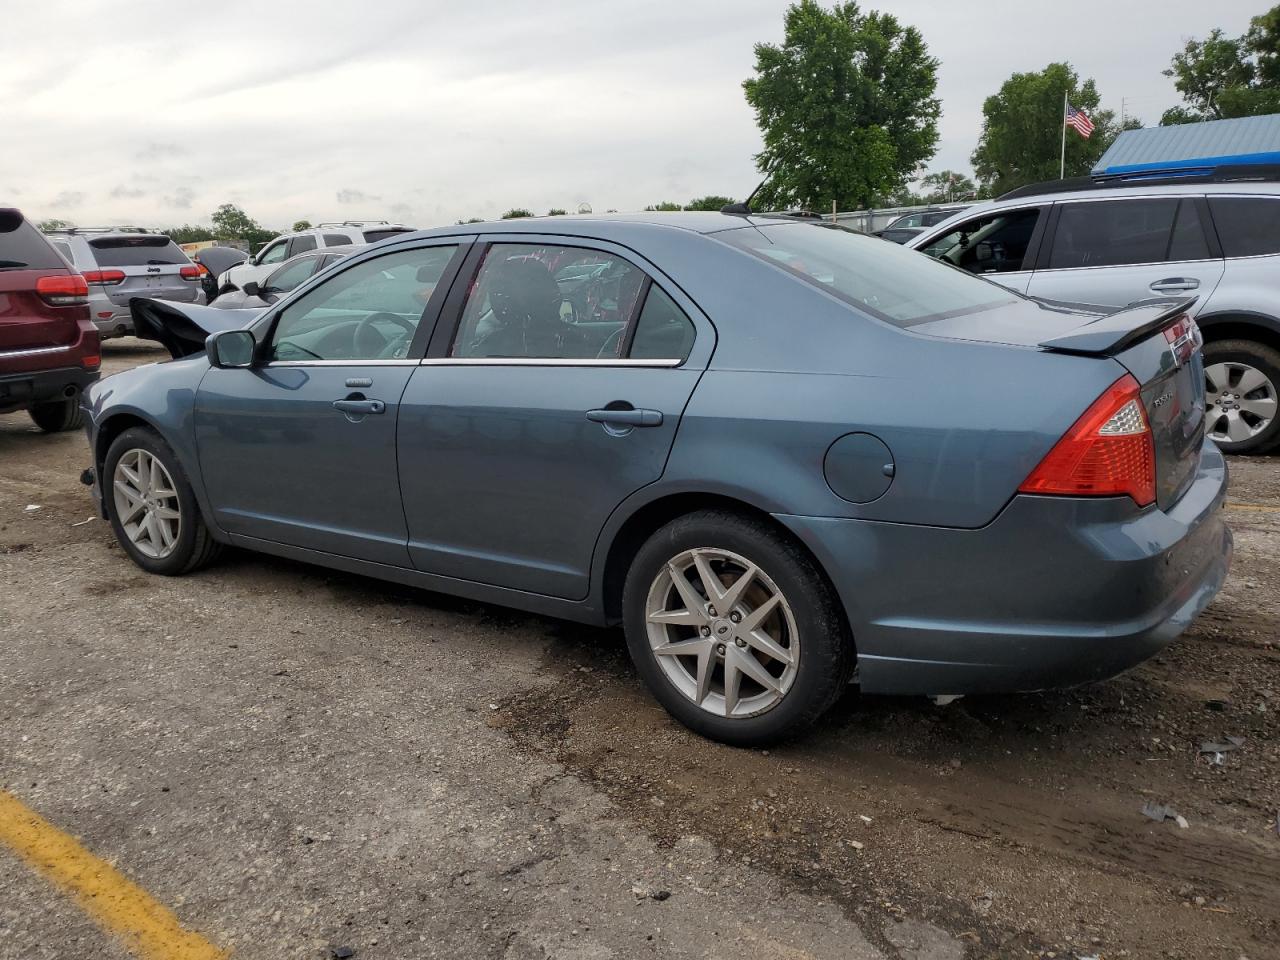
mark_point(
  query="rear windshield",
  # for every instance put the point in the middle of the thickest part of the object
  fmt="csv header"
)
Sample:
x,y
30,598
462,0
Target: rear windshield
x,y
898,286
373,236
136,251
23,247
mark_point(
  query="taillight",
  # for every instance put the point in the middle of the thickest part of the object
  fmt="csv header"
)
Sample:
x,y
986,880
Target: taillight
x,y
193,272
91,361
1108,452
63,290
106,278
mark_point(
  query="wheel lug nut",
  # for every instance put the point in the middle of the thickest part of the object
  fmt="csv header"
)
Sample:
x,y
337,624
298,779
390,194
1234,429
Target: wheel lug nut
x,y
720,649
705,631
712,611
736,617
741,642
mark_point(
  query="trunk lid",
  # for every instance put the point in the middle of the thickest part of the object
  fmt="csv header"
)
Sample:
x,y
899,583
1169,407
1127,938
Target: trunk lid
x,y
183,328
1155,340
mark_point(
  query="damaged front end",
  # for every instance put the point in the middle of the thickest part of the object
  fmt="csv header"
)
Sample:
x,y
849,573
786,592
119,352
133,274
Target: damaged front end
x,y
183,328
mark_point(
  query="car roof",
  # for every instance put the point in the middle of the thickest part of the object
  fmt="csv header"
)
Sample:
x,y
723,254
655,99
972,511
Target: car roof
x,y
612,225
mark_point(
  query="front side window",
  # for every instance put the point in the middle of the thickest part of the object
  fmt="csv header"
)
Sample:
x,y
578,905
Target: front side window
x,y
893,284
1247,226
273,254
1109,233
996,243
548,302
369,312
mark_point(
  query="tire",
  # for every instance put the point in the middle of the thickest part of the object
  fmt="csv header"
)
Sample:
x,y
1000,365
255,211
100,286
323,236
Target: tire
x,y
1231,357
191,545
57,415
806,622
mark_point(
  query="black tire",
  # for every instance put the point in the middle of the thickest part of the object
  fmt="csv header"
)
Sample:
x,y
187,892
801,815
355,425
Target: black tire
x,y
195,546
1260,357
827,658
57,415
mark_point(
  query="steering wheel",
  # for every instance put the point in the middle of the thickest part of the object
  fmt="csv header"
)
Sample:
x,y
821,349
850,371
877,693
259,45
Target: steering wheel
x,y
370,342
609,349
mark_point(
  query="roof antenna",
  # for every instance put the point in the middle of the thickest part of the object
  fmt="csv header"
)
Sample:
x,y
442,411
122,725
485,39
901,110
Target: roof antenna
x,y
744,208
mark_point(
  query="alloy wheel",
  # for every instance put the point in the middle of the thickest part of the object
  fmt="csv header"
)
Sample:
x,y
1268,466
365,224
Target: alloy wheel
x,y
722,632
146,502
1240,401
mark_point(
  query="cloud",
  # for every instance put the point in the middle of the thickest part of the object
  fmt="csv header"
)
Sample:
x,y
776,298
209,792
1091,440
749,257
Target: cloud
x,y
356,196
128,193
158,150
180,198
66,200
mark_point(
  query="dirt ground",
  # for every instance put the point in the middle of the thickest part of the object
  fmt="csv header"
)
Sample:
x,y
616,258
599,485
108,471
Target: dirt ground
x,y
295,760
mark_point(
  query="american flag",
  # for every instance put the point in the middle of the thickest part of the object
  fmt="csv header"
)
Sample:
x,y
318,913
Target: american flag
x,y
1080,121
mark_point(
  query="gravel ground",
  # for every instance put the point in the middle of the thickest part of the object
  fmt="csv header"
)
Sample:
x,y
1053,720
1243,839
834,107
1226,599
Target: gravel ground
x,y
296,760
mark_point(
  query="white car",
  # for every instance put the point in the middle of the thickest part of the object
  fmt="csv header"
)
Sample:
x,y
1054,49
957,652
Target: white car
x,y
289,245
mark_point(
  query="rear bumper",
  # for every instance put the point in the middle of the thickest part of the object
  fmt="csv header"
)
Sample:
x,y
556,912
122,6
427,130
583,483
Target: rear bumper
x,y
21,390
1054,592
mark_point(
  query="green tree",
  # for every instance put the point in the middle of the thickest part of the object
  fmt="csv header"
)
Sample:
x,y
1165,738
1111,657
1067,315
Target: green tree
x,y
515,213
461,223
1021,139
665,206
188,233
53,224
1221,77
710,202
556,212
302,225
231,223
845,105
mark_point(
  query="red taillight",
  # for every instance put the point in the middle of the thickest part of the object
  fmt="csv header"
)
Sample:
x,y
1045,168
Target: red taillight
x,y
63,290
193,272
91,361
1108,452
105,278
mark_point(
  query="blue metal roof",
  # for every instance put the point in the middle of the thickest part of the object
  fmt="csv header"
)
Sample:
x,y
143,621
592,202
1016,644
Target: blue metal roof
x,y
1241,141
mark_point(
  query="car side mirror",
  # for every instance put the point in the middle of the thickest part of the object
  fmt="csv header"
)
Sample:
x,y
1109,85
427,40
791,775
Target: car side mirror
x,y
231,349
251,289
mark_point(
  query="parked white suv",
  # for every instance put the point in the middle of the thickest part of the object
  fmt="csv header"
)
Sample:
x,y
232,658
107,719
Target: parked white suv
x,y
1110,241
289,245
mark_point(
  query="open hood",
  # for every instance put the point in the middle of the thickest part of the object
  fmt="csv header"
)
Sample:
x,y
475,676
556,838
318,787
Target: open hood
x,y
183,327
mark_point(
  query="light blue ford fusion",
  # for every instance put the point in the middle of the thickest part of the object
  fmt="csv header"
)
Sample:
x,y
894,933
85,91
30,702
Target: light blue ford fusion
x,y
783,456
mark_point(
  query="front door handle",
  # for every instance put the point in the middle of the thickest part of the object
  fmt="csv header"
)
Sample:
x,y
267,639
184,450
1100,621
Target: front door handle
x,y
360,408
1175,285
626,417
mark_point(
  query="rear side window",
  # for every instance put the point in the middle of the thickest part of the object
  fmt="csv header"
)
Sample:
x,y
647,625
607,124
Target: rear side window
x,y
996,243
301,244
1112,233
663,332
136,251
65,250
373,236
23,247
1188,241
1247,226
335,239
895,285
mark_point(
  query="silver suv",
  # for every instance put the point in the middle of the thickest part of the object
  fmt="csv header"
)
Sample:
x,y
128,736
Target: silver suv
x,y
120,263
289,245
1111,241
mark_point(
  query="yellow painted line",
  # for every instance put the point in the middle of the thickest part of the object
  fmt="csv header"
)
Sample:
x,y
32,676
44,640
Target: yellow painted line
x,y
148,928
1253,506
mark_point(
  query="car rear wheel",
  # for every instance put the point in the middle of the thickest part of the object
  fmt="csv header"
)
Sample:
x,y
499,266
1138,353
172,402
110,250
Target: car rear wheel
x,y
1242,390
734,629
152,507
57,415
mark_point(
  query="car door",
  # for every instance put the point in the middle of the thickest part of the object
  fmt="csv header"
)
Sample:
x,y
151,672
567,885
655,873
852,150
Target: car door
x,y
1000,245
554,395
300,448
1114,251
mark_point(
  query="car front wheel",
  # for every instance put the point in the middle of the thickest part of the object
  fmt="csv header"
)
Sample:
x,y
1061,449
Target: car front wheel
x,y
152,507
734,629
1242,388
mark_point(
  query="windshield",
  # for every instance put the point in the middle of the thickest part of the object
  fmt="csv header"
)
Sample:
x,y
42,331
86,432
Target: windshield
x,y
896,285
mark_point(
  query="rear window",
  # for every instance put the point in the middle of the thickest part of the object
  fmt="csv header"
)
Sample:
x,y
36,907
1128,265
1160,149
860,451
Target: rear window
x,y
136,251
896,285
23,247
1247,226
373,236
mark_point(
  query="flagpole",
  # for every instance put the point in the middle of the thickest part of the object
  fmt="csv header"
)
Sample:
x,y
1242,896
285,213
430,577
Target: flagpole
x,y
1062,166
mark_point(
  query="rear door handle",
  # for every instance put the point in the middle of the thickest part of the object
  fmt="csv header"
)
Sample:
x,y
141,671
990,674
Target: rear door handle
x,y
628,418
1175,285
360,407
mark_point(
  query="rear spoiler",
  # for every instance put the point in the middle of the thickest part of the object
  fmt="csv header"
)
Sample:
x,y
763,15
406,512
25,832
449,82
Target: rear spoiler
x,y
182,328
1115,332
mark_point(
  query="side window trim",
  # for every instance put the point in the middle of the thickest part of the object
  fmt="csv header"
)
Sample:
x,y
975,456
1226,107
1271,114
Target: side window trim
x,y
1209,227
629,337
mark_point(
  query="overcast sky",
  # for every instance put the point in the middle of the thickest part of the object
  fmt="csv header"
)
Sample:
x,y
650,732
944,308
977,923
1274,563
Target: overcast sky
x,y
156,112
